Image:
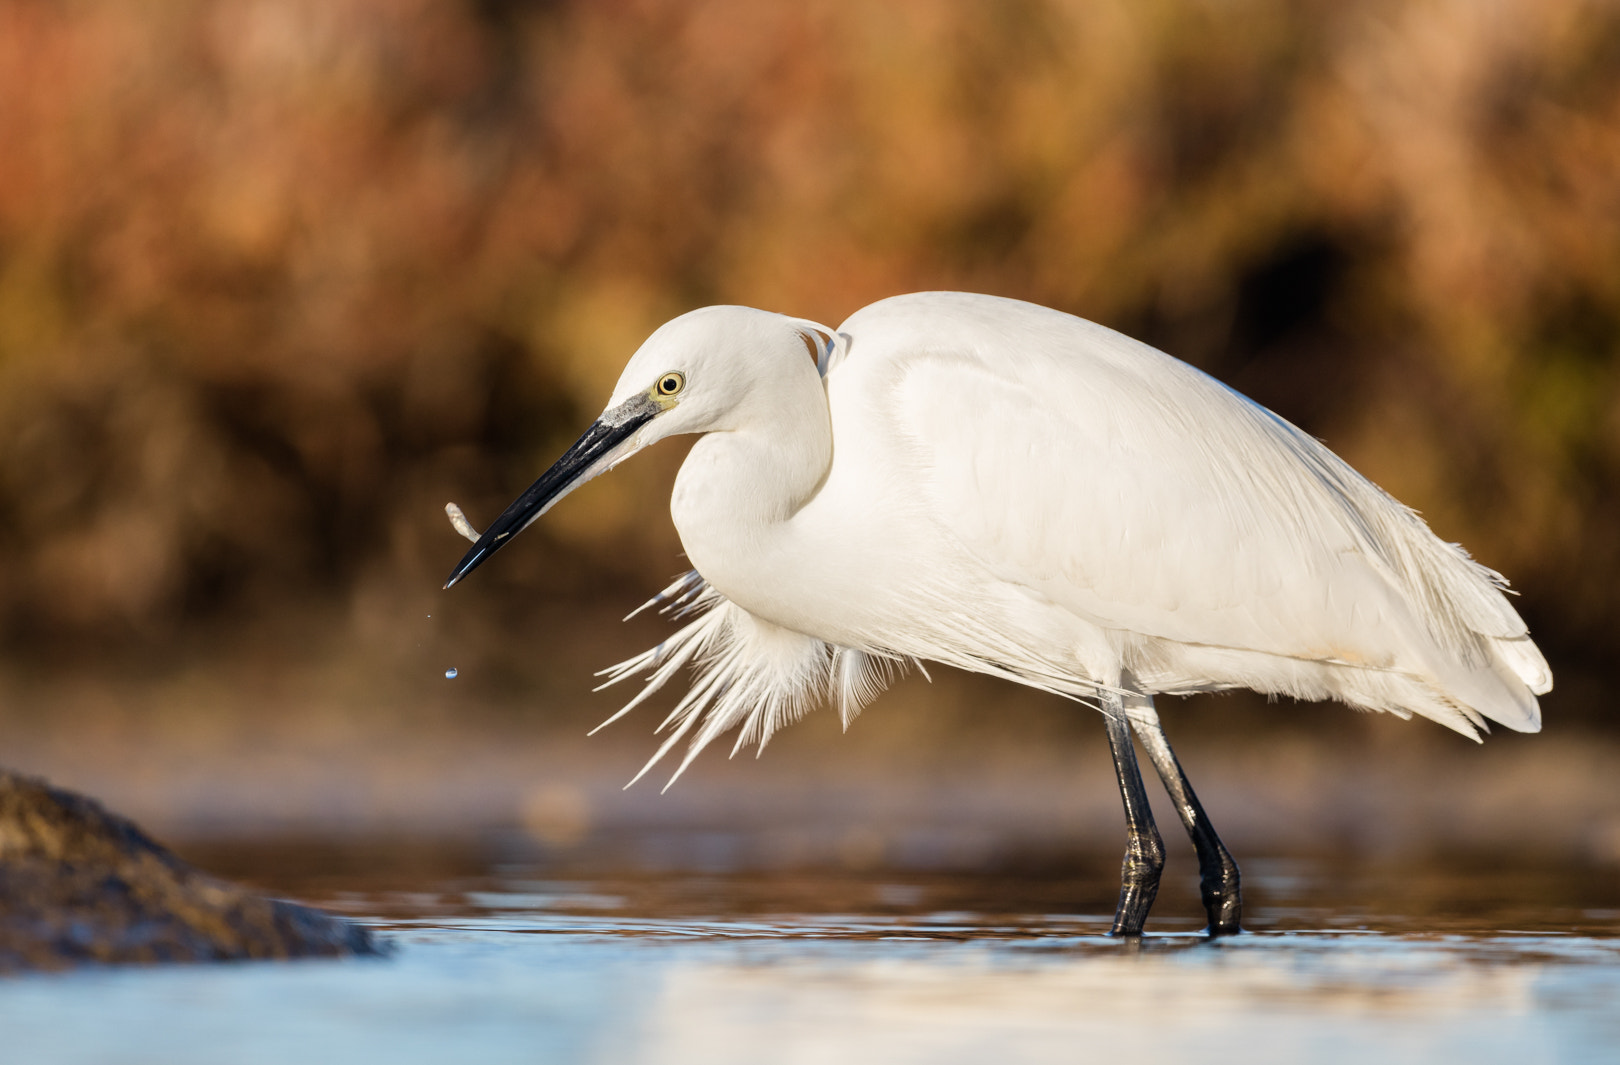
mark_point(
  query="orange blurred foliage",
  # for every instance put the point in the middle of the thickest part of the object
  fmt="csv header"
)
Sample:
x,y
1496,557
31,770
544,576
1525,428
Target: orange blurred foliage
x,y
279,277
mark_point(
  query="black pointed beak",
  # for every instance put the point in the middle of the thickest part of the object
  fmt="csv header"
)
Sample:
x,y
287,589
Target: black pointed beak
x,y
578,464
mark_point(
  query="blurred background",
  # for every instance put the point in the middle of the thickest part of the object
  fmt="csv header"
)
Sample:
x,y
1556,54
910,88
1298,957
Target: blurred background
x,y
279,278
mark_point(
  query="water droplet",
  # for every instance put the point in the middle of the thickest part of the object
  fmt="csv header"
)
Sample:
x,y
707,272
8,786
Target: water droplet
x,y
450,674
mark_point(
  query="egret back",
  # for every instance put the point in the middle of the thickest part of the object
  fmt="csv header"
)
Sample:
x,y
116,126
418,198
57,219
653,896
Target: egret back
x,y
1219,545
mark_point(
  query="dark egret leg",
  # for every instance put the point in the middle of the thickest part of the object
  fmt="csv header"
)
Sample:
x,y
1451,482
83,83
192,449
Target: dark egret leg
x,y
1144,849
1218,880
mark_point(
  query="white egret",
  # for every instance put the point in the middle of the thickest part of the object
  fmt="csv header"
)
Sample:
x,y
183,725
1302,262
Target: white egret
x,y
1009,489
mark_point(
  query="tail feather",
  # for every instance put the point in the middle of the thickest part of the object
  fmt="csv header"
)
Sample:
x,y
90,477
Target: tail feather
x,y
1524,659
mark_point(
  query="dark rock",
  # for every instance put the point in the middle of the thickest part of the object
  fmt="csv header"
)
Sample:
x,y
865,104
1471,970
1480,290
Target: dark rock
x,y
79,884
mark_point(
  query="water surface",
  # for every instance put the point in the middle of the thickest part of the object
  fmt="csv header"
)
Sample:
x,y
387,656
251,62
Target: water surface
x,y
512,957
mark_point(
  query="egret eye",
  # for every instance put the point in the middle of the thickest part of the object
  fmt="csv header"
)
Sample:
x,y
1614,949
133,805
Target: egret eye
x,y
670,383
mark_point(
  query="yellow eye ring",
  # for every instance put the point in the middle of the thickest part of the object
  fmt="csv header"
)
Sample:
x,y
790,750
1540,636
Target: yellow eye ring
x,y
670,383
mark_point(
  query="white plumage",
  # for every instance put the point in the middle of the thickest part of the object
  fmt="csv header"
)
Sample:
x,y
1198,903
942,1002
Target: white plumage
x,y
1012,490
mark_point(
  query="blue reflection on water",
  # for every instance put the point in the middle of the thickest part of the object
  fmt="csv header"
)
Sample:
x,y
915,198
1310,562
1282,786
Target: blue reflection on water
x,y
518,985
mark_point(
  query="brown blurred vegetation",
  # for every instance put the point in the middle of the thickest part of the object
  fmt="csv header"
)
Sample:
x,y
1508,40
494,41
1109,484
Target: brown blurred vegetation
x,y
280,277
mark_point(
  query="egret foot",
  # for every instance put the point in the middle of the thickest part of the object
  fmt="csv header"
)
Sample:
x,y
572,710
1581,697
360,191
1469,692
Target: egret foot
x,y
1223,898
1144,848
1138,882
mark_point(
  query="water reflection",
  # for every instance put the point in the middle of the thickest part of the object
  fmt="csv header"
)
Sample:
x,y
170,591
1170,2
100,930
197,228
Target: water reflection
x,y
506,958
1292,998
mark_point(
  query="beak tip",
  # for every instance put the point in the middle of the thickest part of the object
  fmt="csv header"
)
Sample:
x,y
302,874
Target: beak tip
x,y
466,566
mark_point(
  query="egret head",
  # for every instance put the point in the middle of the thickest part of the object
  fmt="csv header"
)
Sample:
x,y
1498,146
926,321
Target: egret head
x,y
706,371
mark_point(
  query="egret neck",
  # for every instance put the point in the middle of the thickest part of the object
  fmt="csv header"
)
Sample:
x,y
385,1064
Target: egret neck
x,y
743,483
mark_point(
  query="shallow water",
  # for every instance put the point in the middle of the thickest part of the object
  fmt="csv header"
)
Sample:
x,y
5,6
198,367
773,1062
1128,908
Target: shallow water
x,y
502,956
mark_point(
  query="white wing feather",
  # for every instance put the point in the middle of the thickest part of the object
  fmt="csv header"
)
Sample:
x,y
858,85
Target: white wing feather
x,y
1146,497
